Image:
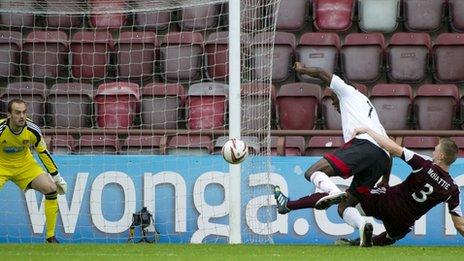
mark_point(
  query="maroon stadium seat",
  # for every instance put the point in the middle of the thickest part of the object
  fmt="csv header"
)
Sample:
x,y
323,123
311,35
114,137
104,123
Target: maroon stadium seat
x,y
190,145
408,57
70,105
329,15
379,15
318,50
330,116
91,54
10,47
20,14
424,145
206,105
63,14
161,105
292,15
393,103
448,51
116,104
283,55
200,17
456,13
181,56
435,106
141,144
216,53
33,93
46,53
136,53
425,16
252,95
62,144
106,14
97,144
156,20
292,146
459,140
320,145
362,57
297,105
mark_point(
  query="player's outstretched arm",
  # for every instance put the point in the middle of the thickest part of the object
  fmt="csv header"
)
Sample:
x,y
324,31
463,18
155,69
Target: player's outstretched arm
x,y
458,223
384,142
316,72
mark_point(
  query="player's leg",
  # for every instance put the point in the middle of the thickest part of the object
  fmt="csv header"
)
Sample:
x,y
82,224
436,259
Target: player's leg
x,y
347,210
319,174
285,205
44,184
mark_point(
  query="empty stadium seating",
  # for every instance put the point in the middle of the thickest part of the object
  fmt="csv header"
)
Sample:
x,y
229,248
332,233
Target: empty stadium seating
x,y
10,47
318,50
90,54
362,57
425,16
190,145
20,14
408,56
136,53
291,146
56,18
393,103
331,15
379,15
107,14
206,105
62,144
435,106
46,53
448,51
116,104
282,55
216,54
200,17
161,105
141,144
320,145
97,144
424,145
459,140
456,13
151,19
182,56
292,15
70,105
297,105
33,93
253,98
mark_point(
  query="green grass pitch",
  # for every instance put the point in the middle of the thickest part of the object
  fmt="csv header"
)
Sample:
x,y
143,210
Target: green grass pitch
x,y
223,252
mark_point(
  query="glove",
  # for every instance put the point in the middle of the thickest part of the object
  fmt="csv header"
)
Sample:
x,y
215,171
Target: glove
x,y
61,185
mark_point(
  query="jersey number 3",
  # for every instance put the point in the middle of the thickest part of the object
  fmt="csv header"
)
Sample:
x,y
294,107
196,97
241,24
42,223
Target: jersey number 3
x,y
421,196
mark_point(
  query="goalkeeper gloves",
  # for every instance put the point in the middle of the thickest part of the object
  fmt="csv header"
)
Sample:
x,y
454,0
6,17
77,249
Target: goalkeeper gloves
x,y
61,185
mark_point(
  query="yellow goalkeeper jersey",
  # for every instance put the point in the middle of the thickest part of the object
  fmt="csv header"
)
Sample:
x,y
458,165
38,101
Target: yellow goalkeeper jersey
x,y
15,149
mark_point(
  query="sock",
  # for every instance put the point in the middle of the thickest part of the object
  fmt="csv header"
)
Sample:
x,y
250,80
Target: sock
x,y
51,211
353,218
324,183
382,240
305,202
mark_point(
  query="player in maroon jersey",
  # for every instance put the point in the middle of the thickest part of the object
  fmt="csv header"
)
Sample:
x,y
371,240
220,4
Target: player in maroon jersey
x,y
400,206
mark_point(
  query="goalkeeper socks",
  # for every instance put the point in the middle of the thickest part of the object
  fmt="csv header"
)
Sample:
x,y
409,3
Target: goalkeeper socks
x,y
305,202
51,210
324,183
353,218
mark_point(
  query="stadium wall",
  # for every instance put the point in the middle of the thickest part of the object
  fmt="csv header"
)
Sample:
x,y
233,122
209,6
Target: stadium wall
x,y
190,206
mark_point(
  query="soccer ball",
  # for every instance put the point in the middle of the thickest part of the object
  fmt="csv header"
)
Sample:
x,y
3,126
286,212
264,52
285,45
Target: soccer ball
x,y
234,151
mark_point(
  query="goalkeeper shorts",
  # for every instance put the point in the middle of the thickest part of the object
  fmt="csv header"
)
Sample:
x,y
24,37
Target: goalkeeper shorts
x,y
21,176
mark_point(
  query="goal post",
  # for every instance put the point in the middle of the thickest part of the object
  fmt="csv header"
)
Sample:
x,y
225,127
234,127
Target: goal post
x,y
135,99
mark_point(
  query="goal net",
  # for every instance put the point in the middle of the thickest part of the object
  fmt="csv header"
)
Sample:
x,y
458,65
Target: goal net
x,y
133,101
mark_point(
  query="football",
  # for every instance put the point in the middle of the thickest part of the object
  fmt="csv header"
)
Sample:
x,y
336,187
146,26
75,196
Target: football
x,y
234,151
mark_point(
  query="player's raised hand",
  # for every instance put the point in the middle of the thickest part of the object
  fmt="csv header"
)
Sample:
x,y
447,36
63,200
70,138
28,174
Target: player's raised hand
x,y
61,185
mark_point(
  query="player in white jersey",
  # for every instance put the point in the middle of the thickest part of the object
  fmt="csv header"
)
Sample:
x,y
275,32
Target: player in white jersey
x,y
360,157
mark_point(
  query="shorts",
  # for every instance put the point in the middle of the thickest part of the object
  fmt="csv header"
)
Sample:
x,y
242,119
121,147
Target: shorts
x,y
21,176
363,160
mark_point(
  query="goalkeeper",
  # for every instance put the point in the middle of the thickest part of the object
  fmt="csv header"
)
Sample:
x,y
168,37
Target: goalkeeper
x,y
17,135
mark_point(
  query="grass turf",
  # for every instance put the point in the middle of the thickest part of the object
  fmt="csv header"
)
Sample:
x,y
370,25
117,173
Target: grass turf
x,y
223,252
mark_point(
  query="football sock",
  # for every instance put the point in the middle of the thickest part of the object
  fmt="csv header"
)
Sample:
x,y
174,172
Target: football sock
x,y
353,218
305,202
51,210
382,240
324,183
